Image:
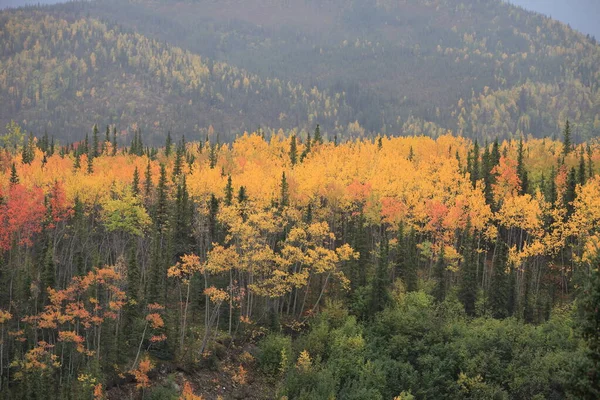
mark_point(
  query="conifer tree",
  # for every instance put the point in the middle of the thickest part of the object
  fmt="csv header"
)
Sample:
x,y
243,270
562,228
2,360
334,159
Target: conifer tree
x,y
306,148
468,282
499,287
95,142
161,207
114,141
567,139
168,144
14,178
228,192
521,171
318,138
439,291
148,181
293,151
581,172
379,285
285,196
475,164
135,184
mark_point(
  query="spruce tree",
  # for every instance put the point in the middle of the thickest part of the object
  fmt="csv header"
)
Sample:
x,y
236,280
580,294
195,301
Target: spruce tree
x,y
570,193
148,181
228,192
285,196
379,286
135,184
161,207
318,138
293,150
439,291
168,144
95,142
114,141
521,171
567,139
475,164
499,287
14,178
306,148
581,172
468,276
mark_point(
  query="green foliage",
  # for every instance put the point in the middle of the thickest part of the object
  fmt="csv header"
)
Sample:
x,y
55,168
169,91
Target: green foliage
x,y
275,354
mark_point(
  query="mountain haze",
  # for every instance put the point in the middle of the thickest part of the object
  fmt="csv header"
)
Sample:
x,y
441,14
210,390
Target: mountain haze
x,y
482,69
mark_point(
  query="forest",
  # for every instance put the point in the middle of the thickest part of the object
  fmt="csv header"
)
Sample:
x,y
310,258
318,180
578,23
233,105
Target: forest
x,y
484,69
284,265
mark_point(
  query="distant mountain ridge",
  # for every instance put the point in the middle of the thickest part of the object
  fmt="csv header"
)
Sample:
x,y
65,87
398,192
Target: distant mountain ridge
x,y
480,68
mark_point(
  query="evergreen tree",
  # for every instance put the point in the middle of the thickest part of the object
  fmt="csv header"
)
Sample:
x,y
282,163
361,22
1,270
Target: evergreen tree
x,y
293,151
285,196
182,219
90,163
135,184
179,154
586,382
14,178
242,196
475,164
590,163
228,192
379,143
468,282
567,139
148,181
212,156
570,193
95,142
168,144
306,148
106,139
318,138
499,287
114,141
161,207
521,171
581,172
379,286
213,210
439,292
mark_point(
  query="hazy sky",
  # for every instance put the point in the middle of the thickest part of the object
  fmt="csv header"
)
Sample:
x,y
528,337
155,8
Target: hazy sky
x,y
583,15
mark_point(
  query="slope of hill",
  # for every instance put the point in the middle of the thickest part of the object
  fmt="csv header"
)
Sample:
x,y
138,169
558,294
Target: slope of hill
x,y
483,68
399,62
65,74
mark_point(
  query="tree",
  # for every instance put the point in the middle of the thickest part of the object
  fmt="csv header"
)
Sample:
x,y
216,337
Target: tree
x,y
95,143
318,138
135,183
284,200
168,144
379,285
567,139
14,178
499,288
439,291
293,150
586,381
521,171
468,277
228,192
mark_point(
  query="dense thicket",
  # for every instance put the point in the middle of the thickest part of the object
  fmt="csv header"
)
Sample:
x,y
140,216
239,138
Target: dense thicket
x,y
457,278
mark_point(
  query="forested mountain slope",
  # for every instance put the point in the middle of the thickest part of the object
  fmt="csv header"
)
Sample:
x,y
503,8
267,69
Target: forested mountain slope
x,y
398,62
63,74
482,68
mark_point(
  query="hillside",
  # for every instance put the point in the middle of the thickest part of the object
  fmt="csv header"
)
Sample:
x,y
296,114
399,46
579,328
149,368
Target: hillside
x,y
63,74
482,69
398,62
